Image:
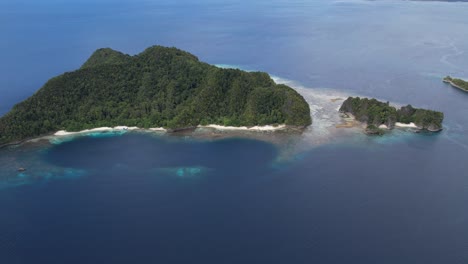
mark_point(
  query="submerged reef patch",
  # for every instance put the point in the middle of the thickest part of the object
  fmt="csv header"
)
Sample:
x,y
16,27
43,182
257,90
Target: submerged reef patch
x,y
184,172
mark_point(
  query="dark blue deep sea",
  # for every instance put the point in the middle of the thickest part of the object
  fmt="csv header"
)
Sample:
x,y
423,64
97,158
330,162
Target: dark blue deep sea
x,y
146,198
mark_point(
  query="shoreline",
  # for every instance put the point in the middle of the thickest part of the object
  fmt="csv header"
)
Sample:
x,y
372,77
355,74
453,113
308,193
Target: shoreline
x,y
326,122
61,133
97,129
401,125
245,128
85,132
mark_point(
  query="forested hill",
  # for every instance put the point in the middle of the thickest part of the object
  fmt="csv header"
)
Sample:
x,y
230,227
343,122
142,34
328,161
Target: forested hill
x,y
160,87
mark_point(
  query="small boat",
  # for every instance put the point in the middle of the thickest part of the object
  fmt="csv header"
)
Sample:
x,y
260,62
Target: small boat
x,y
21,169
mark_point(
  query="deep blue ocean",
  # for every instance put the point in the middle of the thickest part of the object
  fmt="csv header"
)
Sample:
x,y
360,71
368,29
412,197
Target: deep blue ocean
x,y
321,197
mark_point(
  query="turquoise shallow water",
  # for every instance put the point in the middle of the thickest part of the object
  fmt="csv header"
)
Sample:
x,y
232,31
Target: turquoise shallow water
x,y
328,196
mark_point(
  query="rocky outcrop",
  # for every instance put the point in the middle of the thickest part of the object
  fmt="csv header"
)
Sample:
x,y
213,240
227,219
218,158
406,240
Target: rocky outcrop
x,y
375,113
457,83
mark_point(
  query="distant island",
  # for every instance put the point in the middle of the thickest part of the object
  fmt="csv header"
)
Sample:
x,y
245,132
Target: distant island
x,y
380,116
457,83
158,88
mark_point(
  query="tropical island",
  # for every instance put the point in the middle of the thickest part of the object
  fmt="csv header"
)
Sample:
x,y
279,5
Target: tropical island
x,y
158,88
379,116
457,83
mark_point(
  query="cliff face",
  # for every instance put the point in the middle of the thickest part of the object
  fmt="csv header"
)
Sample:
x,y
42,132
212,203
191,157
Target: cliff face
x,y
160,87
375,113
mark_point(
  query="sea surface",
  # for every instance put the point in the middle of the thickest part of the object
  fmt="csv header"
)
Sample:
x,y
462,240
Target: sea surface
x,y
327,196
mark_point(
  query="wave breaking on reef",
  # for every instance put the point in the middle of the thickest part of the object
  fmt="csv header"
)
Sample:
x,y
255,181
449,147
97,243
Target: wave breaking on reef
x,y
327,122
329,126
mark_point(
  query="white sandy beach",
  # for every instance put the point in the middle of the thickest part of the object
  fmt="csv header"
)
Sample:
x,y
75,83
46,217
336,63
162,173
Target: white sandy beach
x,y
158,129
161,129
403,125
104,129
254,128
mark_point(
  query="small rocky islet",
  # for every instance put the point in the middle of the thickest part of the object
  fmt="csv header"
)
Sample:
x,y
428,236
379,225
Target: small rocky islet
x,y
457,83
381,116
